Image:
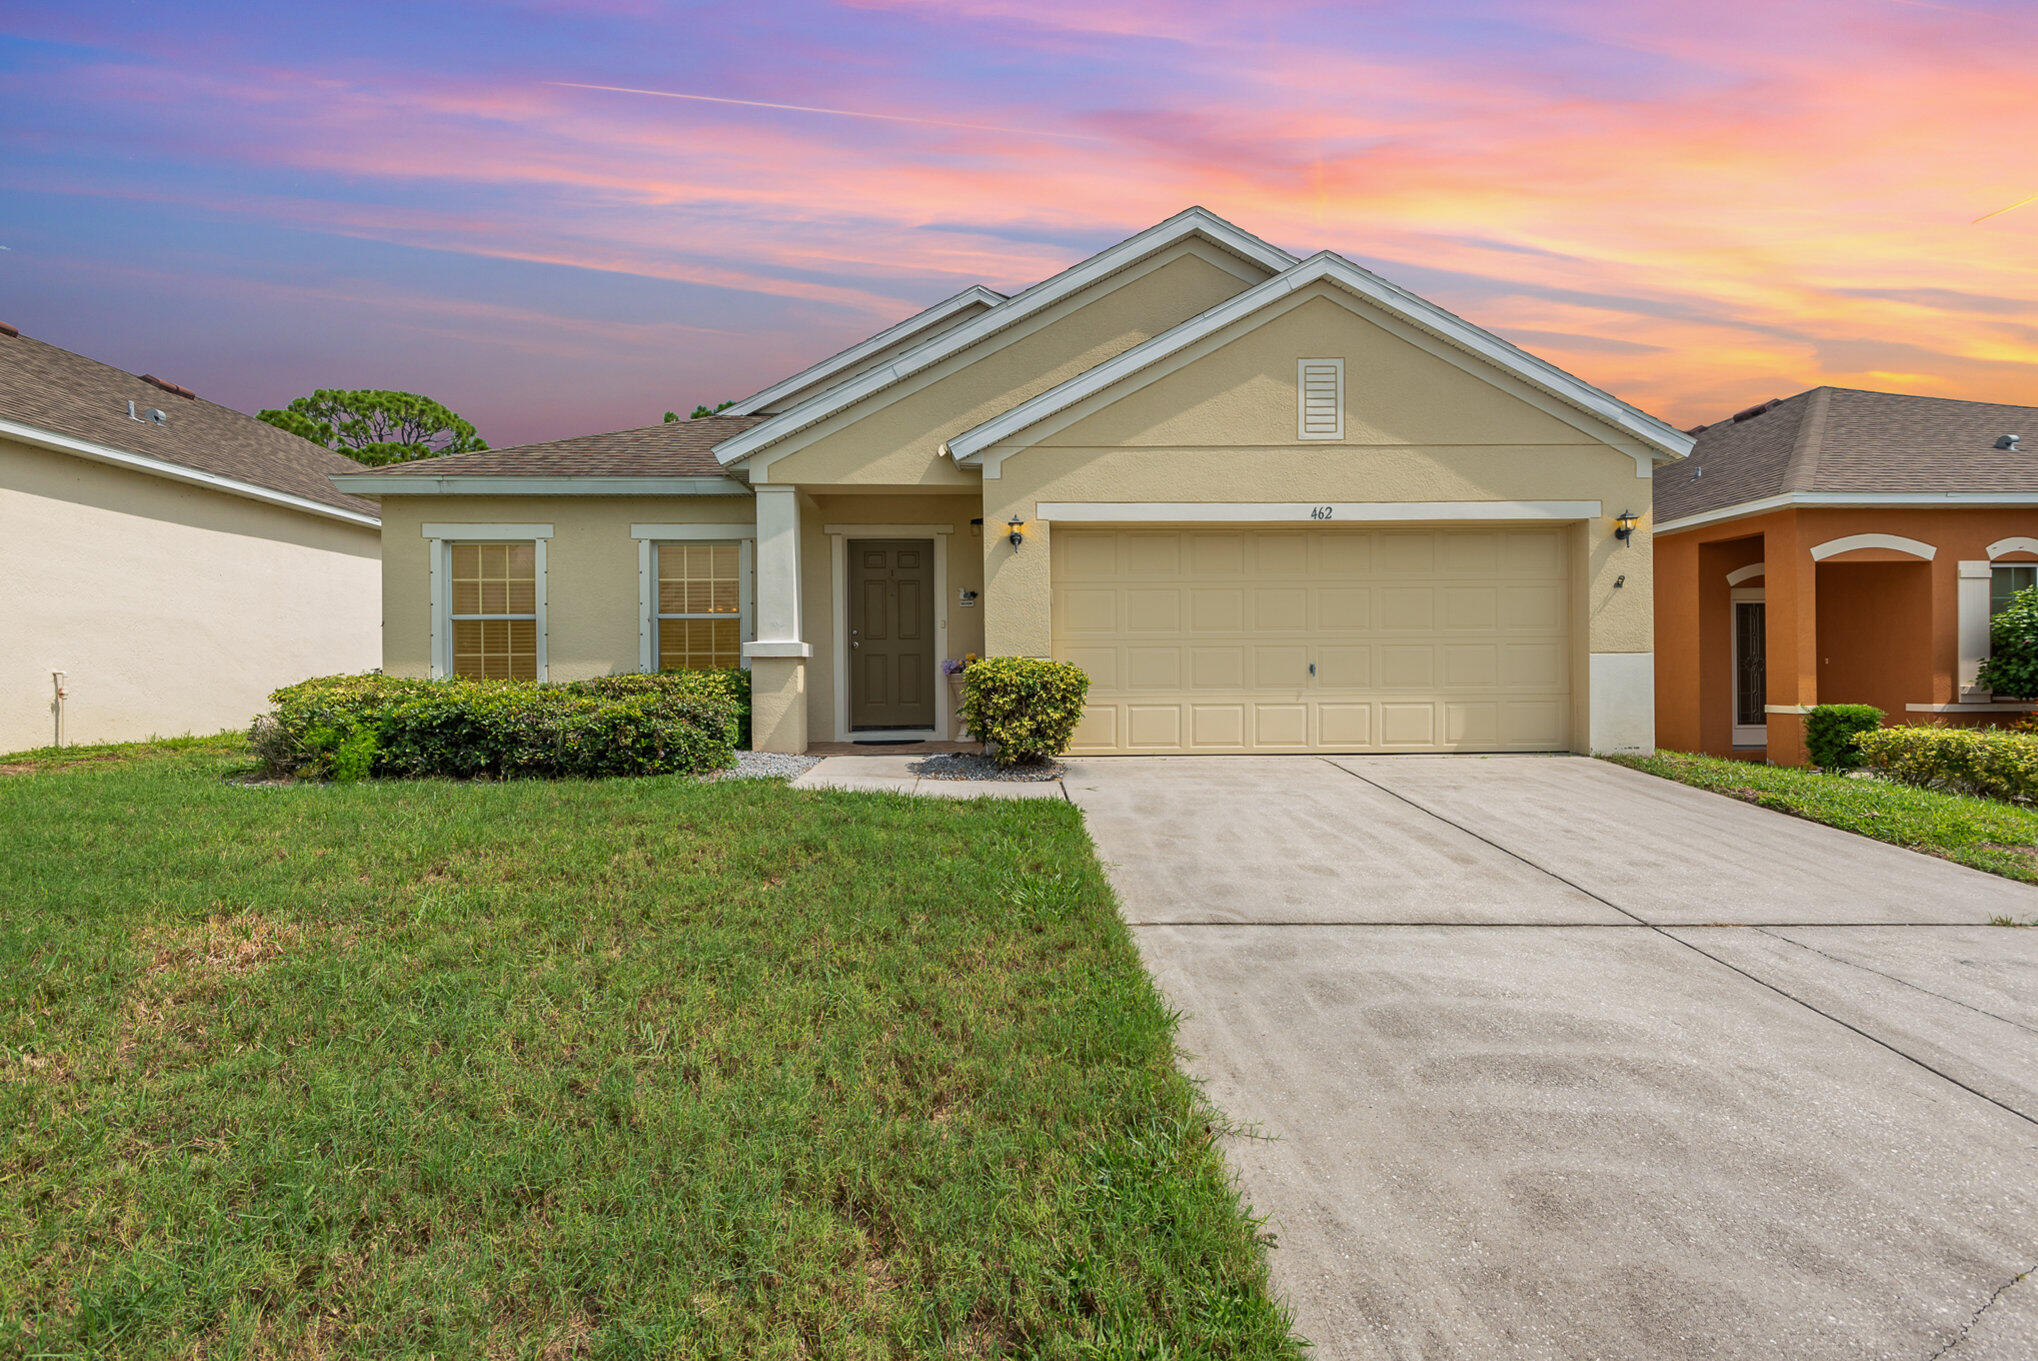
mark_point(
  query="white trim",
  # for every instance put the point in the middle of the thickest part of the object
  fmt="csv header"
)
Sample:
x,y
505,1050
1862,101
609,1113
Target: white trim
x,y
976,295
682,533
1744,734
474,484
1786,709
779,614
1748,573
472,532
177,472
838,569
777,647
889,531
1183,225
1335,430
1338,512
1895,500
1666,441
2018,543
1971,619
1895,543
1991,707
440,578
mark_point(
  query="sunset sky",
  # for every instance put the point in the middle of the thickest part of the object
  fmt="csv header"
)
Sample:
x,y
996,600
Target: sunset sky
x,y
1695,206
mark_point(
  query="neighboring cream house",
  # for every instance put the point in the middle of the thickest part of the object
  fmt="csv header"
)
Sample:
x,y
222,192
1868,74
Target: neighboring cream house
x,y
1269,504
167,562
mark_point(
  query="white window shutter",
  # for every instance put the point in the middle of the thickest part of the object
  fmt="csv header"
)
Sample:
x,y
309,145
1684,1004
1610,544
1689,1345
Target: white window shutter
x,y
1320,398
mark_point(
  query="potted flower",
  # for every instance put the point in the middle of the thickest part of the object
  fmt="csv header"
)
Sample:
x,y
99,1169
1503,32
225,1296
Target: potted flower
x,y
953,669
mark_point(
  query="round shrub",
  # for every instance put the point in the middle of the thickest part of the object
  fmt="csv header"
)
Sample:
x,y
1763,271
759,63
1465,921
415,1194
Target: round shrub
x,y
1023,708
1830,731
2012,667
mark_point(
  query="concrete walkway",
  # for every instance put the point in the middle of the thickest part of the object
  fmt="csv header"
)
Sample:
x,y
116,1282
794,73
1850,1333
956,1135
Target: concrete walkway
x,y
1559,1060
895,775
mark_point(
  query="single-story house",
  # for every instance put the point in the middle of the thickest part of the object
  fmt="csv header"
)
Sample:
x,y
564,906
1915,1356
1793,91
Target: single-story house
x,y
1269,504
1839,547
168,561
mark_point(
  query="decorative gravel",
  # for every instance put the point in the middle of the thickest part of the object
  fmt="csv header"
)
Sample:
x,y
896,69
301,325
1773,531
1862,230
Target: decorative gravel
x,y
969,766
766,765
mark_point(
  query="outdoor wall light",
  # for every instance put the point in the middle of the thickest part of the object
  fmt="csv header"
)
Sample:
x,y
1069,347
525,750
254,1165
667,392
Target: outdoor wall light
x,y
1015,524
1624,525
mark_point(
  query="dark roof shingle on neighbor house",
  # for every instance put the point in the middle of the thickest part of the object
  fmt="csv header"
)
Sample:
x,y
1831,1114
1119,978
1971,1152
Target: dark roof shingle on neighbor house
x,y
1849,440
63,393
672,449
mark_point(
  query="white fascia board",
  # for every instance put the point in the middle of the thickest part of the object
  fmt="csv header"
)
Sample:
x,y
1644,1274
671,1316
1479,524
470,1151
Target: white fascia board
x,y
1183,225
1318,512
177,472
1890,500
976,295
1665,441
368,484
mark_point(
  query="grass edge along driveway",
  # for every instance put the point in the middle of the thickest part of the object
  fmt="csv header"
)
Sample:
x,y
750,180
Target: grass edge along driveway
x,y
1984,834
589,1068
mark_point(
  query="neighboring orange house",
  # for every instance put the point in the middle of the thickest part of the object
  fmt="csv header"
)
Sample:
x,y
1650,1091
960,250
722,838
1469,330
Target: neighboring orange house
x,y
1838,547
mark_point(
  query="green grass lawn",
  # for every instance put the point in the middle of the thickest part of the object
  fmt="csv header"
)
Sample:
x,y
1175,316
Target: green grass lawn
x,y
621,1068
2001,838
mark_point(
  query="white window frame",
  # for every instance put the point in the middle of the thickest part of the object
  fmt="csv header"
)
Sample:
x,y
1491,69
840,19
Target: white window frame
x,y
649,539
1302,368
440,539
1745,734
1995,569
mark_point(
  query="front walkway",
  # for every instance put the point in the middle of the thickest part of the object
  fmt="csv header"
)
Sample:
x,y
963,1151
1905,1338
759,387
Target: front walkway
x,y
1555,1059
897,775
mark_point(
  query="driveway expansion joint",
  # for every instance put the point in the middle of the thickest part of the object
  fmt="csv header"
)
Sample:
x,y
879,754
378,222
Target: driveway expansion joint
x,y
1667,934
1979,1011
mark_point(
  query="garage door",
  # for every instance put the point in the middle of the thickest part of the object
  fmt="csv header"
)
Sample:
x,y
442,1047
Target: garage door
x,y
1316,639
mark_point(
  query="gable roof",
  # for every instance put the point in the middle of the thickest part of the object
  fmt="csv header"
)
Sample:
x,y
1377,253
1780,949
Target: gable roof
x,y
1190,222
1851,443
64,401
1663,440
846,363
668,450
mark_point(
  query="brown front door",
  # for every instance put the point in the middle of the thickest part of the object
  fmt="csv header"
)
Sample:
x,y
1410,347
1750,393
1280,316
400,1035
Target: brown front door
x,y
891,633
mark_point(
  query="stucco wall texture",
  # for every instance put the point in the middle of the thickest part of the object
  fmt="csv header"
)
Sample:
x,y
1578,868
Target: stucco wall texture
x,y
171,608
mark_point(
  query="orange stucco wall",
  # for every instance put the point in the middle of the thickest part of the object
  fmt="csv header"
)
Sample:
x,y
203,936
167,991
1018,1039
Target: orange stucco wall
x,y
1872,626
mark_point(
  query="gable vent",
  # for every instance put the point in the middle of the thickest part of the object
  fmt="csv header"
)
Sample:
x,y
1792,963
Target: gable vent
x,y
1320,398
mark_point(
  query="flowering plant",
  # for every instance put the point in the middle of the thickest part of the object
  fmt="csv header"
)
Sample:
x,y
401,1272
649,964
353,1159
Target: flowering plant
x,y
952,667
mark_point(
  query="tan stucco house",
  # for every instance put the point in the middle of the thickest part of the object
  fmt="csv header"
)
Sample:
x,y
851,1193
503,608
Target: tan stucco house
x,y
167,561
1269,504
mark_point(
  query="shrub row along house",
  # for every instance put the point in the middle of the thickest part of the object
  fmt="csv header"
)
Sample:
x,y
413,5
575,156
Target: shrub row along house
x,y
167,561
1268,504
1839,547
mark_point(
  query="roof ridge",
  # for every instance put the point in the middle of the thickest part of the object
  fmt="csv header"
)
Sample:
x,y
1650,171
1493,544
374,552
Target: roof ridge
x,y
1803,467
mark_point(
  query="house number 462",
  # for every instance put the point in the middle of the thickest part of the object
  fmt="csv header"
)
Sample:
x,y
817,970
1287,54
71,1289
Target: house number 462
x,y
1319,512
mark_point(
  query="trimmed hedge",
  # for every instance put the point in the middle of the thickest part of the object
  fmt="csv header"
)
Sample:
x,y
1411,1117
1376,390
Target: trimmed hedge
x,y
1830,730
1992,762
349,727
1023,708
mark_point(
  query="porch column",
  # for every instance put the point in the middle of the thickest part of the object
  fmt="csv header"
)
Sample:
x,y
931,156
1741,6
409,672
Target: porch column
x,y
778,657
1792,637
1972,614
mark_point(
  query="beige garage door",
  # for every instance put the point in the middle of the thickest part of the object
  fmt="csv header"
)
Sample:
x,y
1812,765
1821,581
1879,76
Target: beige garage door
x,y
1316,639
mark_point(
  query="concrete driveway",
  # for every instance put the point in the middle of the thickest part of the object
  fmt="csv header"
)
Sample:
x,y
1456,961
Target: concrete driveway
x,y
1542,1057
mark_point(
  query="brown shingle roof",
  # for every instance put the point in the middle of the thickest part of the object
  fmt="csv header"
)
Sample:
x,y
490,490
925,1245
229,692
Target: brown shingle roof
x,y
672,449
67,394
1848,440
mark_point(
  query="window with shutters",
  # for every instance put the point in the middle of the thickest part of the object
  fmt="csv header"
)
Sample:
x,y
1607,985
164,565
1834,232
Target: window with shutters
x,y
1320,398
494,610
700,606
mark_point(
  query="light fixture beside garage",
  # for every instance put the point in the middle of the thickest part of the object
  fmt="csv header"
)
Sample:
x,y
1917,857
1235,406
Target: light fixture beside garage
x,y
1016,525
1624,525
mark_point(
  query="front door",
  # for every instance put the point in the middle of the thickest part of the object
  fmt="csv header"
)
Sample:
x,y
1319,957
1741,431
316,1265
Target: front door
x,y
1751,671
891,633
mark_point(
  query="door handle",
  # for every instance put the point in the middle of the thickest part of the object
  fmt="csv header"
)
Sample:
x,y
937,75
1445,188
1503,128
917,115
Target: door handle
x,y
856,643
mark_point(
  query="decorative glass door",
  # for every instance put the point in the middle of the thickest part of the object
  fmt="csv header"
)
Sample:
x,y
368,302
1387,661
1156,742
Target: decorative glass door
x,y
1751,654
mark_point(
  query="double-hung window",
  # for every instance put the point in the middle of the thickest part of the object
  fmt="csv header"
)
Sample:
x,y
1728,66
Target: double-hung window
x,y
488,600
696,588
2005,579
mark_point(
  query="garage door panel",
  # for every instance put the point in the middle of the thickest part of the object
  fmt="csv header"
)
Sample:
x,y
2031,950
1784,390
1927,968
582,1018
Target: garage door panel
x,y
1318,638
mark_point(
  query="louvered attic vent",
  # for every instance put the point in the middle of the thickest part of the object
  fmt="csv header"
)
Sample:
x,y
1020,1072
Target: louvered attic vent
x,y
1320,409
